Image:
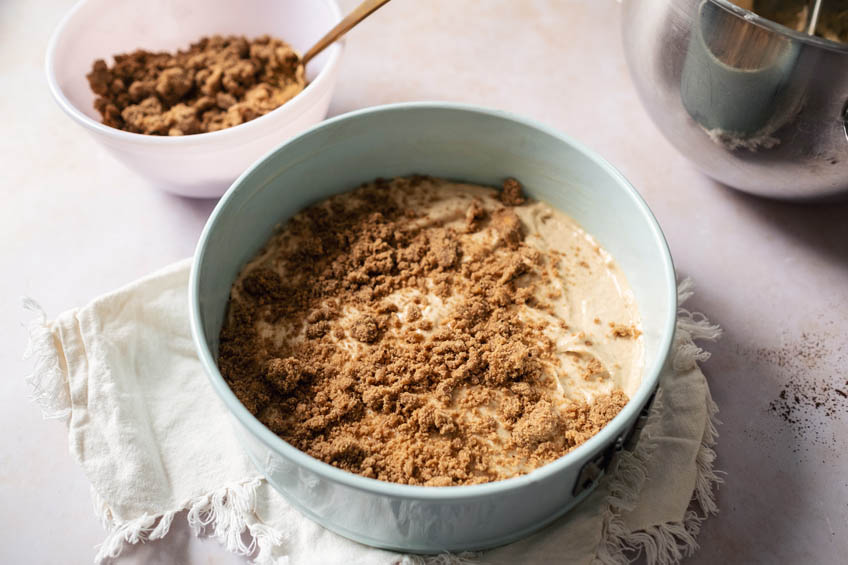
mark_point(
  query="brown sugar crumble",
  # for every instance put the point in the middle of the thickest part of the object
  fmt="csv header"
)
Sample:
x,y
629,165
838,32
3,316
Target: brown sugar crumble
x,y
364,379
512,193
624,330
217,83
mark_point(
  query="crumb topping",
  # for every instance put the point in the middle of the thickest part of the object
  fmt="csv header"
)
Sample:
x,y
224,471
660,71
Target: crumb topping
x,y
384,340
217,83
624,330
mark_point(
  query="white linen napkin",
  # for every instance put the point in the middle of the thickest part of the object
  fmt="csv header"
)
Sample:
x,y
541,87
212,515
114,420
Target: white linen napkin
x,y
154,440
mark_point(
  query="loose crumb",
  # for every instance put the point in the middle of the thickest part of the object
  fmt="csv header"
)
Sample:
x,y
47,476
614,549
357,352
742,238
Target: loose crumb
x,y
512,193
624,330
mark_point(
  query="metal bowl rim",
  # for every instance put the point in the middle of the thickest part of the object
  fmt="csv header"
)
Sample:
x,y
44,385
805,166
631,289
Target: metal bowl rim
x,y
771,25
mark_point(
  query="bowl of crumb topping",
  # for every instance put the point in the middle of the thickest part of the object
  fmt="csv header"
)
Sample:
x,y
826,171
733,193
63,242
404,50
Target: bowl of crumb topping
x,y
434,324
188,94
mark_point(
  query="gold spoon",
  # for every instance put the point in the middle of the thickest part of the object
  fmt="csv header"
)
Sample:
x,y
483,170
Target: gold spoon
x,y
361,12
815,7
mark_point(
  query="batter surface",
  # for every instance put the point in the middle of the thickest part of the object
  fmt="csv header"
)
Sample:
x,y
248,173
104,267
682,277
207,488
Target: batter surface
x,y
429,332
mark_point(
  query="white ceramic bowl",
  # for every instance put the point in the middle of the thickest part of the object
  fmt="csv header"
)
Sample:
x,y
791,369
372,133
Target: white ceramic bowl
x,y
201,165
458,142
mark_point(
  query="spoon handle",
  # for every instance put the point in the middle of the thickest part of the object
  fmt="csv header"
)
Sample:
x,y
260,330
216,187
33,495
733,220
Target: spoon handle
x,y
361,12
815,6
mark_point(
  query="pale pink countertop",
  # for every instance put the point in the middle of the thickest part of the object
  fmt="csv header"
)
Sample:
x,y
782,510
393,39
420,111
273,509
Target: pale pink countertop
x,y
74,224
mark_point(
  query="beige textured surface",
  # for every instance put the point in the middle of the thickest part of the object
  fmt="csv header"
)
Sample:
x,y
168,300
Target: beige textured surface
x,y
74,224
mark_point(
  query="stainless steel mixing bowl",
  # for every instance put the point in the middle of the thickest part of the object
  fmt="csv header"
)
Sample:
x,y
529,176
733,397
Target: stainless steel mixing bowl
x,y
753,104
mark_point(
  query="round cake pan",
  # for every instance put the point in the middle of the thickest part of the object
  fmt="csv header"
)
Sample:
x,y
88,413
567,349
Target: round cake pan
x,y
456,142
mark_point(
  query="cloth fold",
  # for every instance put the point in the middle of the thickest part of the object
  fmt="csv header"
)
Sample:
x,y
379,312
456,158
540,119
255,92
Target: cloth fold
x,y
154,440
